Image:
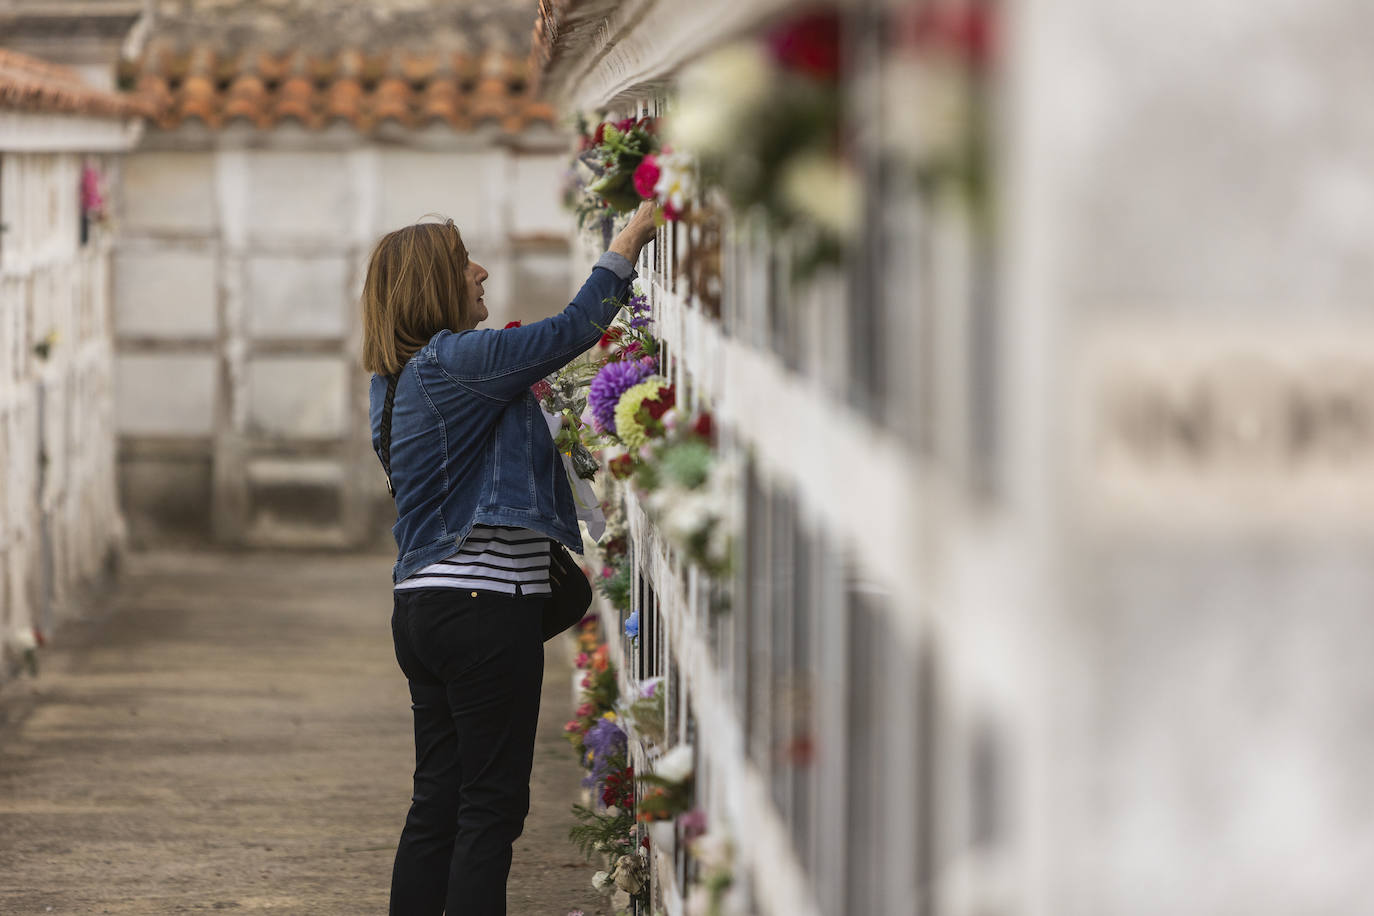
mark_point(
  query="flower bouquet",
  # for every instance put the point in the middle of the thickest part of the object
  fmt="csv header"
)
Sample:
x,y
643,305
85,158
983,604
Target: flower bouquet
x,y
669,791
763,118
621,148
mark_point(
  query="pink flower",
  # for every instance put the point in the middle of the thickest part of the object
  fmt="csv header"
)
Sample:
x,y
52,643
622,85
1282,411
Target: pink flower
x,y
584,710
646,176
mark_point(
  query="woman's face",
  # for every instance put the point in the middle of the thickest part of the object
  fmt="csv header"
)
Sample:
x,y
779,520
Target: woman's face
x,y
473,277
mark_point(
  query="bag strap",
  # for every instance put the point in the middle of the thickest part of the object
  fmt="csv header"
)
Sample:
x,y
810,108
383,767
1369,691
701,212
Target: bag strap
x,y
387,405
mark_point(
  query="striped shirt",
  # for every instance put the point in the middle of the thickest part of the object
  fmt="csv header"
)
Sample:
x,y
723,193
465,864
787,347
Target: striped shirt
x,y
512,561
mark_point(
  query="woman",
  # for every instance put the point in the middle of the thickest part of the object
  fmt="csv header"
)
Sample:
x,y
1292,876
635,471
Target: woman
x,y
480,490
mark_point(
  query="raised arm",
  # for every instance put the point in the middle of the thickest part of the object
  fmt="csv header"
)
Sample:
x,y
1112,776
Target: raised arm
x,y
502,364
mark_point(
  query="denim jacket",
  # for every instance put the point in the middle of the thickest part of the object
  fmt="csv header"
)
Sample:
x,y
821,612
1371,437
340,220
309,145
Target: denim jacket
x,y
468,442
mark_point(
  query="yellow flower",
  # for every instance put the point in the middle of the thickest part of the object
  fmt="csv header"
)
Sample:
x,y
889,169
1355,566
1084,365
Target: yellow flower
x,y
627,425
609,717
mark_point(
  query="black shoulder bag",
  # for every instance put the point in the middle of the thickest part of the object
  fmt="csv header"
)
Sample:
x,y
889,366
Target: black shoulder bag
x,y
572,593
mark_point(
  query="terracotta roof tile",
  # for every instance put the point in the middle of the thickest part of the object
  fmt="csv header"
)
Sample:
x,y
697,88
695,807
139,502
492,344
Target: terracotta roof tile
x,y
344,101
360,88
30,84
246,99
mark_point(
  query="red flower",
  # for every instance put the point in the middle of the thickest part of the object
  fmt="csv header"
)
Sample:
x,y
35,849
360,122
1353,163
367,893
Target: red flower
x,y
624,124
646,176
542,389
659,405
633,350
599,135
704,427
809,44
512,324
622,467
612,335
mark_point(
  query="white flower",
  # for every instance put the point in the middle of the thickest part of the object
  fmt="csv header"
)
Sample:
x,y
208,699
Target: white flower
x,y
602,882
23,639
716,96
676,765
677,180
713,850
688,515
824,189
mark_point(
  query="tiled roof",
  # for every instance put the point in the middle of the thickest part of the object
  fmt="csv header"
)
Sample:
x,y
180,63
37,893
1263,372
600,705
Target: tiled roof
x,y
361,88
30,84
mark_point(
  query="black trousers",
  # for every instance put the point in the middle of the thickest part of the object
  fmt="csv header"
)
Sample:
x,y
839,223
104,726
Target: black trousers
x,y
475,662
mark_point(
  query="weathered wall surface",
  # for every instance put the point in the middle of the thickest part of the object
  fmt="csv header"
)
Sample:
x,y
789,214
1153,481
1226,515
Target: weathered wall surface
x,y
243,412
60,525
1197,213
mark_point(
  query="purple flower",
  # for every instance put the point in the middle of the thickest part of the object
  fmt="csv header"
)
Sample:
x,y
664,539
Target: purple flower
x,y
605,740
632,624
610,383
693,824
639,322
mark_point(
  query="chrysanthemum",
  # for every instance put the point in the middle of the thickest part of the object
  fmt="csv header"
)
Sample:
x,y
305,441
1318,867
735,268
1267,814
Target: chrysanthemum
x,y
627,425
610,383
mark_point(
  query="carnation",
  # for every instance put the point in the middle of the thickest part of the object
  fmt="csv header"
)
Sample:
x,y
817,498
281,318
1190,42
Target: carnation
x,y
609,386
627,425
646,177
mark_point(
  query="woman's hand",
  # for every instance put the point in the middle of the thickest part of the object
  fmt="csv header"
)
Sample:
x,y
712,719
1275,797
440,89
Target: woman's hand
x,y
638,233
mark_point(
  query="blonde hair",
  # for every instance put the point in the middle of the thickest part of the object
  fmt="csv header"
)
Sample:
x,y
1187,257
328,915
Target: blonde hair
x,y
416,286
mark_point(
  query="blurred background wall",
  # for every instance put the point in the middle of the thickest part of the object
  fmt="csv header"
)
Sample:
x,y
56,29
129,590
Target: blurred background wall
x,y
294,136
61,142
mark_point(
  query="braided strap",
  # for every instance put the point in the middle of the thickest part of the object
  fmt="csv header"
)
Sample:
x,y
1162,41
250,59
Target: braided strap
x,y
387,405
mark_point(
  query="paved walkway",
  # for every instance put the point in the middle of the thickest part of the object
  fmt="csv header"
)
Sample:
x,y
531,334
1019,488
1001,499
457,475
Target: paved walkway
x,y
231,732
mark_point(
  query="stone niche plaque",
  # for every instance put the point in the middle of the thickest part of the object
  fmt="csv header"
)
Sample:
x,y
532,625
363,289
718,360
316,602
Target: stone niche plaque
x,y
1226,426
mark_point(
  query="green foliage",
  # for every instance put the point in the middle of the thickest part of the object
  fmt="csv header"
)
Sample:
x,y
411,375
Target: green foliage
x,y
617,587
688,464
602,832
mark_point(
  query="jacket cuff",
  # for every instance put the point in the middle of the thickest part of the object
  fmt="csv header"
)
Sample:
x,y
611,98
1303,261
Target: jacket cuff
x,y
617,264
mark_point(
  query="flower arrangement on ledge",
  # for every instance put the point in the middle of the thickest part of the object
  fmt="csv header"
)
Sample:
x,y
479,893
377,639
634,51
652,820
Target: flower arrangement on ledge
x,y
618,165
606,821
763,118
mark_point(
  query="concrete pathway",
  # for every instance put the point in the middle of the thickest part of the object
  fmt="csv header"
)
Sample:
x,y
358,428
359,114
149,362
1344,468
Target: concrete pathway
x,y
231,732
